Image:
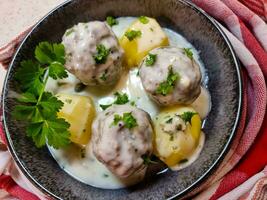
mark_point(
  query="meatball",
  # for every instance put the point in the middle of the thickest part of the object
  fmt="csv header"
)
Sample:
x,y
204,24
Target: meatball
x,y
173,76
122,137
93,53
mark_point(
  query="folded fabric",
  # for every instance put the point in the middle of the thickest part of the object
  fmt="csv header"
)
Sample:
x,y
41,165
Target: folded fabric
x,y
251,51
243,172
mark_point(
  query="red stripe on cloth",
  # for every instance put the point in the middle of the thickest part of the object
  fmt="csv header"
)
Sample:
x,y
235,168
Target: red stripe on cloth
x,y
8,184
259,10
256,3
255,48
239,9
253,162
219,10
253,21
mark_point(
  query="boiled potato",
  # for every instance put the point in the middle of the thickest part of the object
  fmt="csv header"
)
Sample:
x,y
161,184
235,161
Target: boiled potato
x,y
79,112
151,36
177,133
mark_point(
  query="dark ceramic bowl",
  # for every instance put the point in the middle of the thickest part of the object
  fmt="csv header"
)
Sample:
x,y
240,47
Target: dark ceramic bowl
x,y
224,85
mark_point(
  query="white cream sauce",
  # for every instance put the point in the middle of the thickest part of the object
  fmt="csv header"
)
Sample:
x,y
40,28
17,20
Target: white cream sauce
x,y
88,169
83,166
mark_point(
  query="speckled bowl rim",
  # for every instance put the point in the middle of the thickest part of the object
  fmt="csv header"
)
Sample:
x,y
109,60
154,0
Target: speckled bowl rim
x,y
181,193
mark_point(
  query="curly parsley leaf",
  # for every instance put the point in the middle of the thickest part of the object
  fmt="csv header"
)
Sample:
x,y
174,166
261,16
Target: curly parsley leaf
x,y
57,71
30,75
121,98
37,107
127,118
26,112
55,131
102,54
188,52
53,55
150,59
50,104
27,97
34,131
132,34
111,21
143,19
167,86
187,116
47,53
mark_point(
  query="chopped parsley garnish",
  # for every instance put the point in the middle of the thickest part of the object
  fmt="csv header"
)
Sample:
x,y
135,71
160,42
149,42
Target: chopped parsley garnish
x,y
39,108
186,116
111,21
132,34
121,98
127,118
103,77
143,19
117,119
188,52
147,160
104,107
102,54
166,87
150,59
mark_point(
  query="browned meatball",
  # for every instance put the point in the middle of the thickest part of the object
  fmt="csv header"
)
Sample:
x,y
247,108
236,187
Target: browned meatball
x,y
122,135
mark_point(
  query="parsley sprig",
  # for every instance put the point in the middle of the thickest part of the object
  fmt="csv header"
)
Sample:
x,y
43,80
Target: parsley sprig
x,y
36,106
127,118
121,98
167,86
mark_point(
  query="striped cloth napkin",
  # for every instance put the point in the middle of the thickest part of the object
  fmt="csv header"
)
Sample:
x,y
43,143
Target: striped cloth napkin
x,y
243,173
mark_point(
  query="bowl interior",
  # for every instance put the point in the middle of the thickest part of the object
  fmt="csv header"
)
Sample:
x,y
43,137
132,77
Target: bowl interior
x,y
224,85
